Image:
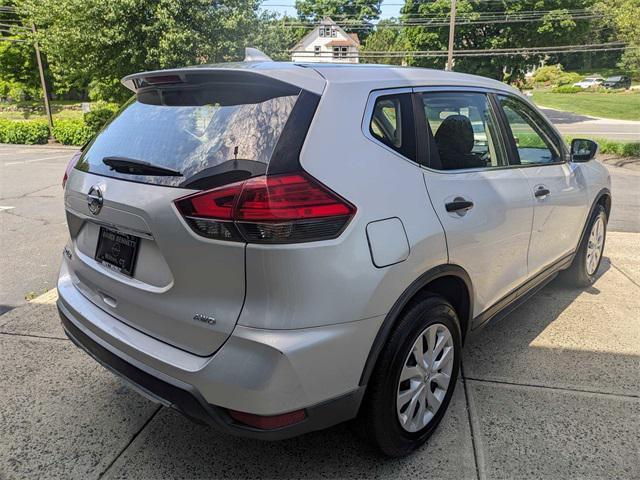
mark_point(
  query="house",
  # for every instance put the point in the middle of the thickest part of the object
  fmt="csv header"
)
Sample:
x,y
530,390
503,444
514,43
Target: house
x,y
327,43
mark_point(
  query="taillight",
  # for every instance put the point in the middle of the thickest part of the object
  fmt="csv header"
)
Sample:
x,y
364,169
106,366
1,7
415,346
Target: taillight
x,y
268,209
70,165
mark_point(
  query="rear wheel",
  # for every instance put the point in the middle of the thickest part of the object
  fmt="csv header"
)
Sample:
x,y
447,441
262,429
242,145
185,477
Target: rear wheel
x,y
414,379
583,270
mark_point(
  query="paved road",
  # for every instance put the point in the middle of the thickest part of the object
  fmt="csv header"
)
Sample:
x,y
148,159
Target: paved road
x,y
550,392
33,230
581,125
32,222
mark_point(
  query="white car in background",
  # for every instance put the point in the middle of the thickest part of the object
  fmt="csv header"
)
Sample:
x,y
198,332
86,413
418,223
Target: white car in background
x,y
589,82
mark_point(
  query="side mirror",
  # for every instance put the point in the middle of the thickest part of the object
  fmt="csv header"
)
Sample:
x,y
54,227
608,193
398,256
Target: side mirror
x,y
583,150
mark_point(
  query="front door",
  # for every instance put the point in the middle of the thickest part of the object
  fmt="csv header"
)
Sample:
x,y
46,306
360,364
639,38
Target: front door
x,y
484,205
558,187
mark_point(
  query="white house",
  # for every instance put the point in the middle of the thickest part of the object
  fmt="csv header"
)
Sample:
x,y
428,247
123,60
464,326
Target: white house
x,y
327,43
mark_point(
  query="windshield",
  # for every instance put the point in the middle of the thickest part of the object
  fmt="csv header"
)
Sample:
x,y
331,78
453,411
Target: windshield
x,y
192,140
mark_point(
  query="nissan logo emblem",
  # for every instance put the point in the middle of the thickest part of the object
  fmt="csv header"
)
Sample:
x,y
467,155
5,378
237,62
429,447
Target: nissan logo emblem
x,y
95,200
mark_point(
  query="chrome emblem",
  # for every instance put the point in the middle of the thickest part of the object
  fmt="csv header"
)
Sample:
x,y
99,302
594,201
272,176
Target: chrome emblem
x,y
95,199
198,317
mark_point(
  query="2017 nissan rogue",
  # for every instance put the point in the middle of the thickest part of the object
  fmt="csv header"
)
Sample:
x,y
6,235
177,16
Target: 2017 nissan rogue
x,y
274,248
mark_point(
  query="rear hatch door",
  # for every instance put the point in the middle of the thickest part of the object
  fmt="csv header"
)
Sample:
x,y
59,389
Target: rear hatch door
x,y
134,255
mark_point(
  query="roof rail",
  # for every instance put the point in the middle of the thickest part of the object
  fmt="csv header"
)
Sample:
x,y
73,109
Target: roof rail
x,y
254,55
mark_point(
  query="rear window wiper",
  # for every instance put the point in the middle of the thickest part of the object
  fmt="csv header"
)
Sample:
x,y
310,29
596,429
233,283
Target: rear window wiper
x,y
138,167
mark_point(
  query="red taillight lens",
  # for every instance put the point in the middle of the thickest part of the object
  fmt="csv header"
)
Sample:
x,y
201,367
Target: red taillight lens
x,y
72,163
287,197
268,209
268,422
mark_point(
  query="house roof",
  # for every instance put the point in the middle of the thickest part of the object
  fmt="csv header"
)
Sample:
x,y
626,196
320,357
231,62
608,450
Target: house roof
x,y
340,43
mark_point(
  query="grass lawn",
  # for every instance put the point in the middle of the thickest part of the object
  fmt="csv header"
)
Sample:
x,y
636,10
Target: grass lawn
x,y
622,106
35,111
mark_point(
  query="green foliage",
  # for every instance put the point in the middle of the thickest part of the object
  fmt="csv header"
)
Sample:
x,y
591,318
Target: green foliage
x,y
385,38
622,17
557,27
26,132
341,11
72,132
621,149
554,75
97,117
567,89
91,44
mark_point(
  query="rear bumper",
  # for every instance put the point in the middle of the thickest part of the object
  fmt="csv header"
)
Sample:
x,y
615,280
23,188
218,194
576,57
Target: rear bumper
x,y
186,399
262,372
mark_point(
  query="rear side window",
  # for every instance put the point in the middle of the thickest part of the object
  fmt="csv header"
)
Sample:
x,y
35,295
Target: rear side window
x,y
218,130
464,131
391,124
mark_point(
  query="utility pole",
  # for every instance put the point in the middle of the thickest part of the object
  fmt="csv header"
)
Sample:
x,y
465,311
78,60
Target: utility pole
x,y
43,82
452,28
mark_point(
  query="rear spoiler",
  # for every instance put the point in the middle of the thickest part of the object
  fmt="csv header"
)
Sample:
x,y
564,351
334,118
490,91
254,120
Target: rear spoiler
x,y
301,77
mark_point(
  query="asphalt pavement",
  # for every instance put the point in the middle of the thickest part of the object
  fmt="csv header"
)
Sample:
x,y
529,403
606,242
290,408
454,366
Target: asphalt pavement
x,y
575,125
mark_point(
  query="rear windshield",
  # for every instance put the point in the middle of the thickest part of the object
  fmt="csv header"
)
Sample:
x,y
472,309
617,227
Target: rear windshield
x,y
221,134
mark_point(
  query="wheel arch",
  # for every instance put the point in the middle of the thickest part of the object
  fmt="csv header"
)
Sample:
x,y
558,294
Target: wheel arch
x,y
602,198
450,281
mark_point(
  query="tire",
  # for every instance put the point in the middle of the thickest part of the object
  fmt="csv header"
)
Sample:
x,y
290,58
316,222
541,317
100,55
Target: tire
x,y
584,268
380,418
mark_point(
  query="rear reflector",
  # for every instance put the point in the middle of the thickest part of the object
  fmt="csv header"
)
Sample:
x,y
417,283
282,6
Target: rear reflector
x,y
268,209
268,422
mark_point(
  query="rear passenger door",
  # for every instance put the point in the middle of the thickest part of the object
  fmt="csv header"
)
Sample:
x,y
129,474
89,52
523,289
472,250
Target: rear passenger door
x,y
484,205
557,186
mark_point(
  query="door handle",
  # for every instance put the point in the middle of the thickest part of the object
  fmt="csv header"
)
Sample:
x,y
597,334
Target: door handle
x,y
458,205
542,192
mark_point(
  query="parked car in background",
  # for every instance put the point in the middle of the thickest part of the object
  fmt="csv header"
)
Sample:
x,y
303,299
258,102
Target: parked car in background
x,y
589,82
617,81
274,248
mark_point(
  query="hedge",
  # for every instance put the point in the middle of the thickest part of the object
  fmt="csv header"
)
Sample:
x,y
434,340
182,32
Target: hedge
x,y
567,89
72,132
28,132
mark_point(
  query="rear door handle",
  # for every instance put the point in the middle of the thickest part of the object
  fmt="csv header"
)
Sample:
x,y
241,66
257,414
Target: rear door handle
x,y
542,192
458,205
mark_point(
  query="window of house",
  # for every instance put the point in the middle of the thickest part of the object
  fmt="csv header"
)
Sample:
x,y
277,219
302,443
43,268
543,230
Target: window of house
x,y
321,31
529,134
343,51
336,52
333,32
464,131
316,50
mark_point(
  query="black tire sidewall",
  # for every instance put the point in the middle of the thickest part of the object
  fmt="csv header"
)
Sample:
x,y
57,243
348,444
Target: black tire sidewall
x,y
389,434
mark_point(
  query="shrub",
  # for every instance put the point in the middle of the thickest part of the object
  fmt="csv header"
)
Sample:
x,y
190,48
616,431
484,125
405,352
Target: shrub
x,y
26,132
97,117
72,132
567,89
568,78
548,74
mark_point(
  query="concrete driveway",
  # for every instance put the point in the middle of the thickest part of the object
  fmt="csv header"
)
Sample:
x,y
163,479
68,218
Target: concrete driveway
x,y
552,391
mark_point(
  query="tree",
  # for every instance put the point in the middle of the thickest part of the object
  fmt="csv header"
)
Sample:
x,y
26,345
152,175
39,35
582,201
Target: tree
x,y
352,15
387,37
622,16
91,44
556,26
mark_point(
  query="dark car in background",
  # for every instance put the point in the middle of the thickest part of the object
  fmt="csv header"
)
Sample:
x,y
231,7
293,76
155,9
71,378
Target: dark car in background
x,y
617,81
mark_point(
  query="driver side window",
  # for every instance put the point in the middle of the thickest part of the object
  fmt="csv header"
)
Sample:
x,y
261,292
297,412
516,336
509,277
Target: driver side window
x,y
531,141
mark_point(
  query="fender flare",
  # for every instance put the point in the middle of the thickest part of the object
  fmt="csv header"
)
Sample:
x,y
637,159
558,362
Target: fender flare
x,y
404,299
602,193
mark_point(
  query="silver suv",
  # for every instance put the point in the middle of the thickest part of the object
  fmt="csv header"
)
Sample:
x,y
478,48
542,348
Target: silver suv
x,y
275,248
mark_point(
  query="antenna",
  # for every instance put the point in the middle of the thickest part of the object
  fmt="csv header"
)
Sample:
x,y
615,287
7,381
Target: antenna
x,y
254,55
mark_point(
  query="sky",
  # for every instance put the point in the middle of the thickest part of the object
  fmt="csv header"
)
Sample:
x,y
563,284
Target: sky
x,y
388,9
